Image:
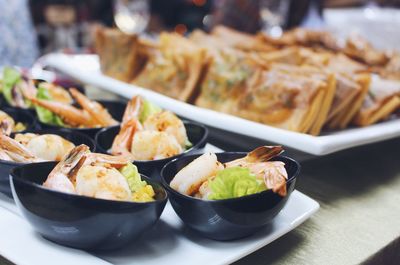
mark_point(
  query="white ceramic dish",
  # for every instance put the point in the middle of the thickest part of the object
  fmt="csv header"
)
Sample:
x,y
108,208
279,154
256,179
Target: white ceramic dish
x,y
168,243
85,68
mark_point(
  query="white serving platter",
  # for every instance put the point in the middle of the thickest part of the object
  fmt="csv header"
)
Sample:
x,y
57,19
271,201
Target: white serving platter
x,y
85,68
169,242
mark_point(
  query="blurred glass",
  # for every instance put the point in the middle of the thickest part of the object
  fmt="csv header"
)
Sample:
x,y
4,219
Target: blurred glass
x,y
273,14
131,16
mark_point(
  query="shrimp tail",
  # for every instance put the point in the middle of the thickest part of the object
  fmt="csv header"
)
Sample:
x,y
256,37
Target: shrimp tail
x,y
95,110
260,154
68,113
15,150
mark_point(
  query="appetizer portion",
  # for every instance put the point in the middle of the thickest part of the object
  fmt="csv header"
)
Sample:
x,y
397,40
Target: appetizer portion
x,y
91,115
207,178
18,89
8,125
174,68
148,133
99,176
30,147
305,81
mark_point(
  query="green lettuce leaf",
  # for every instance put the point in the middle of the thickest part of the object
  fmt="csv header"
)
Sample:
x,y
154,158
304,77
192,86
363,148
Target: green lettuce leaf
x,y
148,109
10,78
234,182
45,115
188,144
131,173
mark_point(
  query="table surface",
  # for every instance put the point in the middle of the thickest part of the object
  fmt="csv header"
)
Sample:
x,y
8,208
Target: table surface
x,y
359,218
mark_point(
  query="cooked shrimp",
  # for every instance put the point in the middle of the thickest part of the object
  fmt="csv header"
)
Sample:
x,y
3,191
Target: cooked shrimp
x,y
7,123
189,179
122,143
108,160
162,134
90,174
63,175
16,151
166,121
57,93
24,138
69,114
27,87
260,154
272,172
49,147
151,145
4,156
102,182
23,89
96,110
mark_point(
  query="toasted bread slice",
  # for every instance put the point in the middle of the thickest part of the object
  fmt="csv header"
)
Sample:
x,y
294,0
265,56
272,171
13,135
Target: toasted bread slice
x,y
175,68
383,99
120,54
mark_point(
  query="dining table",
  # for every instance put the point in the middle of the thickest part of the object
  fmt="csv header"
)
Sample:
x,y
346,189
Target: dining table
x,y
359,217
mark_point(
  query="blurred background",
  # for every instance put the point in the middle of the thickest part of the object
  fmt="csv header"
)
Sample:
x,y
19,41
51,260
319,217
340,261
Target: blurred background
x,y
33,28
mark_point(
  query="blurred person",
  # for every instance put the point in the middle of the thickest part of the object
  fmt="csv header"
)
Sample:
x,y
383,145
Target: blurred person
x,y
18,44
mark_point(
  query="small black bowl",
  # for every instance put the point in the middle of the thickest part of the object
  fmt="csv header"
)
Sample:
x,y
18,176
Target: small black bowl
x,y
5,166
115,108
21,115
79,221
227,219
196,133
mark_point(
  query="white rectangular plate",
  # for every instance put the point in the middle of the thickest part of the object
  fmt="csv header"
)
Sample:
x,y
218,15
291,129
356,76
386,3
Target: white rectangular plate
x,y
85,68
167,243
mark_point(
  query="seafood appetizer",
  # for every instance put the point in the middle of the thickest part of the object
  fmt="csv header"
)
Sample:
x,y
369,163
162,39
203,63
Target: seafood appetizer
x,y
149,133
99,176
92,114
18,89
31,147
207,178
8,125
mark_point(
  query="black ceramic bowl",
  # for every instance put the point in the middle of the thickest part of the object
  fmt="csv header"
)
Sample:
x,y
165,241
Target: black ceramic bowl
x,y
5,166
79,221
196,133
227,219
21,115
115,108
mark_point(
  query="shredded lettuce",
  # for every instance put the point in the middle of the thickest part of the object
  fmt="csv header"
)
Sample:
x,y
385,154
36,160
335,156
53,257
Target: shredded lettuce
x,y
132,175
141,192
234,182
188,144
148,109
45,115
10,78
